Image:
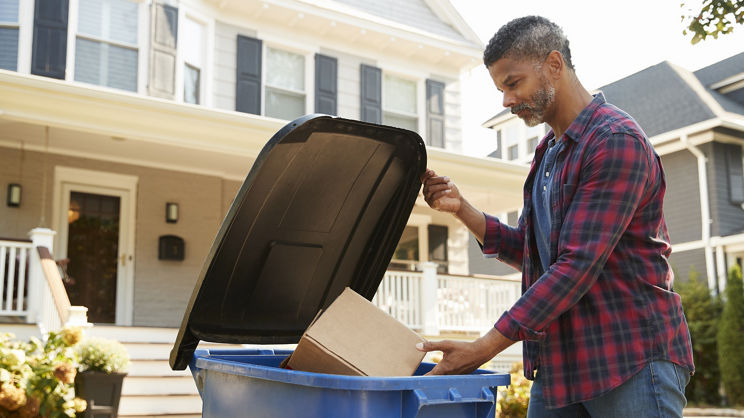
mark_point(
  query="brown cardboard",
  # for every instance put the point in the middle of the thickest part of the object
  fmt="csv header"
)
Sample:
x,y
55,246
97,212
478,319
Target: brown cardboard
x,y
354,337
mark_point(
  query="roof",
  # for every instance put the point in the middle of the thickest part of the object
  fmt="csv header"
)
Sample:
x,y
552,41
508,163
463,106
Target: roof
x,y
665,97
415,13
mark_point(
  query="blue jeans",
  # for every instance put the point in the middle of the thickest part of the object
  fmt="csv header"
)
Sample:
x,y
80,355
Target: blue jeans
x,y
657,391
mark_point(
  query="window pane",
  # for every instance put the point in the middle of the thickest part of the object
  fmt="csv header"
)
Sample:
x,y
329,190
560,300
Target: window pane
x,y
399,95
192,40
105,65
122,67
284,105
513,152
9,11
400,122
285,70
113,20
9,49
190,84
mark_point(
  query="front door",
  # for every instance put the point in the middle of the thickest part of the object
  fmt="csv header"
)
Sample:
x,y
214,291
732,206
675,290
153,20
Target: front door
x,y
94,220
92,250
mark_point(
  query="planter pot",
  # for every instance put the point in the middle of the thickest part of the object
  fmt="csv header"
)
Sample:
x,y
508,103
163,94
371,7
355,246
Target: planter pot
x,y
102,391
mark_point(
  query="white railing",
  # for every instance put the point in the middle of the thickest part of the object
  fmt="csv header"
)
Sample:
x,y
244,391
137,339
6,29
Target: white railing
x,y
463,303
14,259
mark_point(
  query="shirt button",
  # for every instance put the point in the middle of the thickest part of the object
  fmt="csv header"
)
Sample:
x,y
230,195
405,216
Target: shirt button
x,y
545,187
547,174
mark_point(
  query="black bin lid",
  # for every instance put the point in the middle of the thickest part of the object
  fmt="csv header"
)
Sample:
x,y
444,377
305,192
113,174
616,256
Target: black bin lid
x,y
322,208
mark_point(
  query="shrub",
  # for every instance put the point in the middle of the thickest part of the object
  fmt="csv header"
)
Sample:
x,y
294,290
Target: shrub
x,y
731,339
514,399
702,311
102,355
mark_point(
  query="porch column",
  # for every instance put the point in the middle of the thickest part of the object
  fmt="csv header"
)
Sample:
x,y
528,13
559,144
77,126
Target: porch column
x,y
429,303
40,237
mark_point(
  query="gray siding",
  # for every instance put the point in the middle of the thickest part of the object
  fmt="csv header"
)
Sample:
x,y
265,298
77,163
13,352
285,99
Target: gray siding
x,y
225,63
683,262
452,116
728,218
682,199
348,82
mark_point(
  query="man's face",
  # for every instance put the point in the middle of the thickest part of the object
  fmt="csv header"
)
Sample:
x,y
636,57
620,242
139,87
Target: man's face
x,y
526,89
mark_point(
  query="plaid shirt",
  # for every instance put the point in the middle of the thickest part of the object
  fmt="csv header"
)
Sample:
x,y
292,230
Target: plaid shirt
x,y
605,307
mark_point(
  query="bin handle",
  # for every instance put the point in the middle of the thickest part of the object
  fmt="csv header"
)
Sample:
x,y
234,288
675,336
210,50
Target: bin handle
x,y
418,399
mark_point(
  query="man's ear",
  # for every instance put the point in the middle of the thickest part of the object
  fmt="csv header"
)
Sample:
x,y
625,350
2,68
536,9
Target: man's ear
x,y
554,64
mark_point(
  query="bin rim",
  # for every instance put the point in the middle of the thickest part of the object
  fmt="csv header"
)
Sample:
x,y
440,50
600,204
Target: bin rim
x,y
203,360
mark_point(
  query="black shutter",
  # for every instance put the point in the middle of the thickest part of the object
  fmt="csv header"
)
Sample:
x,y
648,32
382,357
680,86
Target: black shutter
x,y
248,81
163,44
371,84
435,113
49,56
735,174
326,84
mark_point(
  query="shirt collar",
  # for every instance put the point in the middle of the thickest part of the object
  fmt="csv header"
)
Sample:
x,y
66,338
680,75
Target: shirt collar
x,y
579,125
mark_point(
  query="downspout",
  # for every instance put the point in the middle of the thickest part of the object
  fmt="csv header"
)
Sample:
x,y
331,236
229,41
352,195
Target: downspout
x,y
704,210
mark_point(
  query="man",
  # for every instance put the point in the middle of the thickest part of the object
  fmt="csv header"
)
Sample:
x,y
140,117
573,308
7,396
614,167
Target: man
x,y
603,332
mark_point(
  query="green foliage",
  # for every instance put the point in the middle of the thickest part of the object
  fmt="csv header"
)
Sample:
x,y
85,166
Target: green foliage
x,y
514,399
103,355
702,311
731,339
716,17
37,378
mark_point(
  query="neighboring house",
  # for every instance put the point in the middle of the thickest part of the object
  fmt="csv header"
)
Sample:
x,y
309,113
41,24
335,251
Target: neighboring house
x,y
112,111
695,120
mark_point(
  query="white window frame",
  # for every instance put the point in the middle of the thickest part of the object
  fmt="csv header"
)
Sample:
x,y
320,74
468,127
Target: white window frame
x,y
72,35
24,24
309,55
420,84
205,75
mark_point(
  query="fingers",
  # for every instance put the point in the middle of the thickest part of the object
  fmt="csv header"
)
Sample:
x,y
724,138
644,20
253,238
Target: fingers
x,y
427,346
428,173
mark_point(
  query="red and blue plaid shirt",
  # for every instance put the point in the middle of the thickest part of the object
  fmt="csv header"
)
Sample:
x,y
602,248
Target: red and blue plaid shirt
x,y
605,307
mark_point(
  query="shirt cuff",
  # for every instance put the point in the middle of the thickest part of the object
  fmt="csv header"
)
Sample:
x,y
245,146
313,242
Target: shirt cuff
x,y
513,330
492,237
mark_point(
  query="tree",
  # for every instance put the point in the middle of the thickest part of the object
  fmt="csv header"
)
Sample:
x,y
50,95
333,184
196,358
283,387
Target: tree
x,y
702,311
731,339
716,17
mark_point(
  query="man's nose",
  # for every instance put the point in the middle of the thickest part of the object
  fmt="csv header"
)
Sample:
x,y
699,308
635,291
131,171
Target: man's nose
x,y
509,100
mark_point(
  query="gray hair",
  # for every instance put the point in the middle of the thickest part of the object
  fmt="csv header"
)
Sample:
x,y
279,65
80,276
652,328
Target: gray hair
x,y
530,37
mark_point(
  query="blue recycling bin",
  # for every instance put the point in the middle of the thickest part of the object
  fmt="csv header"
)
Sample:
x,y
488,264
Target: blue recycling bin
x,y
249,383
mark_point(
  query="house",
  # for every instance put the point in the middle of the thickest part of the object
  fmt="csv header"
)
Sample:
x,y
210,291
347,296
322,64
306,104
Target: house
x,y
127,125
695,121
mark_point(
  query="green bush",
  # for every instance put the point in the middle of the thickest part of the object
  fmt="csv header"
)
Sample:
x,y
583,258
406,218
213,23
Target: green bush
x,y
731,339
514,399
702,311
102,355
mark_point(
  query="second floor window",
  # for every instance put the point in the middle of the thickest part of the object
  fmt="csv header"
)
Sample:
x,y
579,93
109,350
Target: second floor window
x,y
9,34
106,50
399,103
193,60
285,84
513,152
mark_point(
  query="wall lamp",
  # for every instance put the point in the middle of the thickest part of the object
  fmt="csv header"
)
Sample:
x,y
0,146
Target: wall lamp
x,y
171,212
14,195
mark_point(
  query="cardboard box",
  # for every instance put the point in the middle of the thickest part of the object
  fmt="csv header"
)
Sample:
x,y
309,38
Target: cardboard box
x,y
354,337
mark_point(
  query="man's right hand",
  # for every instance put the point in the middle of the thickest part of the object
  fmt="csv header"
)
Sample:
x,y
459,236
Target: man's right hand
x,y
441,193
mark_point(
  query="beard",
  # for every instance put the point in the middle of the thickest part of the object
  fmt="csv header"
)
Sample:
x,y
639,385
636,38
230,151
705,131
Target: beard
x,y
538,104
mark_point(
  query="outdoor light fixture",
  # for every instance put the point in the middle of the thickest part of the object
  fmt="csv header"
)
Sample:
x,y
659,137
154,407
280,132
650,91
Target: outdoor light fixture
x,y
171,212
14,195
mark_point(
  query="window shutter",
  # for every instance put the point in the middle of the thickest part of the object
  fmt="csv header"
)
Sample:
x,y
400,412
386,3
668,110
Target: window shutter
x,y
49,56
735,174
163,44
326,84
248,81
435,113
371,85
498,154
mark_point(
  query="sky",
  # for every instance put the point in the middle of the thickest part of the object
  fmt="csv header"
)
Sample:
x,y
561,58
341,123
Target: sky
x,y
608,41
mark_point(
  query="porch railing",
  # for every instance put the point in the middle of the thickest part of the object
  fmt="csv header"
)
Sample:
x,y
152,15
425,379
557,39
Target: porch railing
x,y
14,259
433,303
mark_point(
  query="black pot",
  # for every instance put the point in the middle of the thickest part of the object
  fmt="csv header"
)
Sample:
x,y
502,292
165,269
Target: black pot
x,y
102,391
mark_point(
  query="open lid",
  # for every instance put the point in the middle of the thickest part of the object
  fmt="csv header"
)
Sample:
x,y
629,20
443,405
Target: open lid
x,y
322,208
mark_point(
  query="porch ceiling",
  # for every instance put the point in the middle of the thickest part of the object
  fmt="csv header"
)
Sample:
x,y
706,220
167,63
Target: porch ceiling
x,y
99,123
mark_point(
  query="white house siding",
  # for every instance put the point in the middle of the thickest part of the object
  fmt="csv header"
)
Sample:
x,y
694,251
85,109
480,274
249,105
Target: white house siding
x,y
452,113
225,63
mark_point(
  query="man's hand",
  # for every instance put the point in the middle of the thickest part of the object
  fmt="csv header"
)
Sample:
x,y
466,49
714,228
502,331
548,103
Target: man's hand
x,y
459,357
440,192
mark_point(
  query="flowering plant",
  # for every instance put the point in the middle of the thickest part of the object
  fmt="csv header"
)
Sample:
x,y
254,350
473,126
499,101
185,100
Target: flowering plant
x,y
37,378
103,355
514,399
